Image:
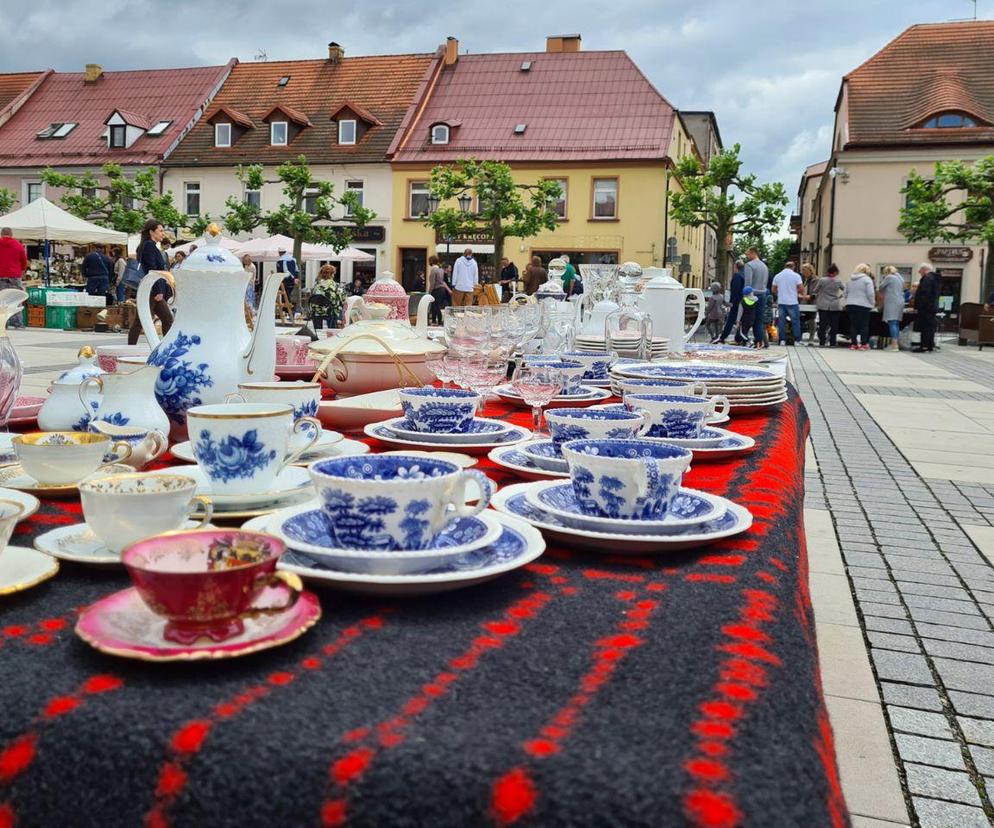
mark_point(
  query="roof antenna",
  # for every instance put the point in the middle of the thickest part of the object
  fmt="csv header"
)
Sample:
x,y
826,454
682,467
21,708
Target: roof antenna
x,y
260,55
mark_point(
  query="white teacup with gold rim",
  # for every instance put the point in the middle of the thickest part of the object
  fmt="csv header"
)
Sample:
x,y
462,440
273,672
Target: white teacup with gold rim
x,y
124,508
242,447
303,396
61,458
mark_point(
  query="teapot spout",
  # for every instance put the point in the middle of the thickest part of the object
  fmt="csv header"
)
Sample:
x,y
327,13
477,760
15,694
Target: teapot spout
x,y
260,358
421,323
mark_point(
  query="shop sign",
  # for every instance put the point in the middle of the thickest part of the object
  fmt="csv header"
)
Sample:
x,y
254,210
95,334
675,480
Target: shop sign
x,y
959,255
479,237
371,234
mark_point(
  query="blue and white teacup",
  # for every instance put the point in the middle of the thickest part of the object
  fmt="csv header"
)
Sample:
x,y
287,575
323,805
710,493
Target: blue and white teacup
x,y
303,396
676,415
596,363
594,423
626,478
692,388
572,370
439,410
242,447
394,502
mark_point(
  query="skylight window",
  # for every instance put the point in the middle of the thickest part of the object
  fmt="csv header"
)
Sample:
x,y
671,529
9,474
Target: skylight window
x,y
950,120
64,130
520,129
283,81
526,66
159,128
48,131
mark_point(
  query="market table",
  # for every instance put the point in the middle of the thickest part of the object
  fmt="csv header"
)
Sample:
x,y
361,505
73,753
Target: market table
x,y
584,690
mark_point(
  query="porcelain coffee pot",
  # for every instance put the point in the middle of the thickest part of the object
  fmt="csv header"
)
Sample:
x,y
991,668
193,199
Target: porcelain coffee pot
x,y
665,300
209,349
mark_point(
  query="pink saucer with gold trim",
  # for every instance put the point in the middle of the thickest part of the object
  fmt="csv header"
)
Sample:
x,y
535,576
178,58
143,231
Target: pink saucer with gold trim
x,y
122,624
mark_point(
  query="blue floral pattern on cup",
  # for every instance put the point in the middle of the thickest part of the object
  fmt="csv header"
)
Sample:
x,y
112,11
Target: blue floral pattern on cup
x,y
180,380
673,415
233,457
597,363
439,410
567,424
307,409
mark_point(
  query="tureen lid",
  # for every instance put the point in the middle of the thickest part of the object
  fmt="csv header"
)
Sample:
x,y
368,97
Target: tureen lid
x,y
211,255
87,367
401,338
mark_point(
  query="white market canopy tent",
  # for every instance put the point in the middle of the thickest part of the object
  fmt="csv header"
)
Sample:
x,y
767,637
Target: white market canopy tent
x,y
268,250
42,220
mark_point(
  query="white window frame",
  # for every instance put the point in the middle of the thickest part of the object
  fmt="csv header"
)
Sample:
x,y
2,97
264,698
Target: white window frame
x,y
191,188
564,184
124,136
437,130
311,192
159,128
217,134
422,189
64,129
355,131
247,193
355,185
272,133
26,191
593,206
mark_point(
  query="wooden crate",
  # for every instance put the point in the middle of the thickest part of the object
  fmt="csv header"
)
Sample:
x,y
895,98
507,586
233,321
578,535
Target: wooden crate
x,y
86,318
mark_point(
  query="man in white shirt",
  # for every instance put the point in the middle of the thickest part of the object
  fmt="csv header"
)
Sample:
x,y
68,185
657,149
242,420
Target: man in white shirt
x,y
785,285
465,277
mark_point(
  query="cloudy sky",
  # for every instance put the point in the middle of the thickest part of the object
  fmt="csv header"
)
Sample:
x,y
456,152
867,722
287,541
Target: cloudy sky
x,y
769,69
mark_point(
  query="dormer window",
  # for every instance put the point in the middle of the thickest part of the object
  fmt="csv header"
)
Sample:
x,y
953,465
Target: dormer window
x,y
118,136
440,134
347,132
222,134
950,120
278,133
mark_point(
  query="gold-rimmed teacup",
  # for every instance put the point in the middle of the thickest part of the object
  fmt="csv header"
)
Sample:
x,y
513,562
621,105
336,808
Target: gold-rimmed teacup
x,y
62,458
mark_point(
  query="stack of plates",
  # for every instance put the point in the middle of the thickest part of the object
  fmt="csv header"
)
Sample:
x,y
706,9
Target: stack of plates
x,y
623,346
747,388
736,354
578,397
499,543
695,518
481,436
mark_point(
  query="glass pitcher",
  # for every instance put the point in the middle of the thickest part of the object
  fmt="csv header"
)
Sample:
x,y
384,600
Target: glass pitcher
x,y
629,329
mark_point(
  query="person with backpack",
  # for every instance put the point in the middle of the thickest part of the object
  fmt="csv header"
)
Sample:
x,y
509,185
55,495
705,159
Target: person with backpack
x,y
97,269
748,315
149,257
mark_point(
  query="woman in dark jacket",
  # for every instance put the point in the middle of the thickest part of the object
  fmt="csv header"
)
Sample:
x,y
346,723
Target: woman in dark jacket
x,y
150,258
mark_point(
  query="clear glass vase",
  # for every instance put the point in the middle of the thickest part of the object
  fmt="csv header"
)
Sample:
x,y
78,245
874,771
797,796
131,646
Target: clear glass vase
x,y
10,364
628,330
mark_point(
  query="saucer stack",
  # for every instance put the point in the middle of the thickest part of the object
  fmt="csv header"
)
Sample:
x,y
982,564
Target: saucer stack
x,y
622,346
747,388
579,396
734,354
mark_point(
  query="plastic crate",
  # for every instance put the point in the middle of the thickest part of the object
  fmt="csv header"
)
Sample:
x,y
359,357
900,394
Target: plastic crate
x,y
36,316
73,299
39,295
64,318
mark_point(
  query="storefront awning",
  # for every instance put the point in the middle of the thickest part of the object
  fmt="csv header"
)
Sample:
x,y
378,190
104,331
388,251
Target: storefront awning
x,y
459,248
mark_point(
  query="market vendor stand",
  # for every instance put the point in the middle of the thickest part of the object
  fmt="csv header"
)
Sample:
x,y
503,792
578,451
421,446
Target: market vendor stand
x,y
585,690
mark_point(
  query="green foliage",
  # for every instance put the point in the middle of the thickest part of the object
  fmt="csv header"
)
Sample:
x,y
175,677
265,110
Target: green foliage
x,y
956,204
7,200
291,218
118,202
727,200
779,254
505,208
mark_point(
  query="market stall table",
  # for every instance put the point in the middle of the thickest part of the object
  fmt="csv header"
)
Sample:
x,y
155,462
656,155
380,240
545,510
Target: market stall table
x,y
584,690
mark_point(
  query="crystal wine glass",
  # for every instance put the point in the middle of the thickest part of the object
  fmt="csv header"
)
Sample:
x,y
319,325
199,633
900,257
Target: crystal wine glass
x,y
437,365
537,385
484,374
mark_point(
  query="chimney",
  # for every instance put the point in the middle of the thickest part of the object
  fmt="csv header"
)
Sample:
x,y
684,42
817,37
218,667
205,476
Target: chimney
x,y
451,51
563,43
92,72
335,52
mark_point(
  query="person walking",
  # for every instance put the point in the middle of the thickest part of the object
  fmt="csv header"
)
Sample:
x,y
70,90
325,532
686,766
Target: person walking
x,y
508,279
756,275
120,265
569,276
890,295
714,311
465,278
97,269
747,316
828,292
149,257
860,299
535,276
735,299
785,287
926,303
249,267
327,298
13,263
288,265
439,291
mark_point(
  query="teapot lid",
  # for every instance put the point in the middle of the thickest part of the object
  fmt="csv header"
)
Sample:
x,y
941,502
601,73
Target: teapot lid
x,y
660,278
86,368
386,285
211,255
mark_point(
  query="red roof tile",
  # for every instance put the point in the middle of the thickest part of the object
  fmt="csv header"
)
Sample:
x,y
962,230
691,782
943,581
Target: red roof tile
x,y
575,105
361,111
133,118
154,95
291,113
14,84
237,117
927,69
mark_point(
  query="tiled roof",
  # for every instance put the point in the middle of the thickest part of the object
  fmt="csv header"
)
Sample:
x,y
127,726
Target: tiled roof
x,y
383,85
576,106
927,69
13,84
63,97
237,117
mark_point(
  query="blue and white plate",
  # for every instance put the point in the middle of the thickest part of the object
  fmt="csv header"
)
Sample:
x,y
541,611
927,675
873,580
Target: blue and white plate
x,y
544,455
308,529
481,444
512,500
713,420
727,373
709,438
575,396
731,446
689,508
518,544
479,428
514,459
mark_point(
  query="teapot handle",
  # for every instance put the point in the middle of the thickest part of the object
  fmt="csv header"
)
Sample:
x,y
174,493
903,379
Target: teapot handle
x,y
698,294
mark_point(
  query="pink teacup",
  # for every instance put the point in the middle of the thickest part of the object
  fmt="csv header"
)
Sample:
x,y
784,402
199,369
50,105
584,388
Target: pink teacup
x,y
205,582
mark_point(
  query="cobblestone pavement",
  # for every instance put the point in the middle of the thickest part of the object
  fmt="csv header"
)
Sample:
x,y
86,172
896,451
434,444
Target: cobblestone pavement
x,y
923,590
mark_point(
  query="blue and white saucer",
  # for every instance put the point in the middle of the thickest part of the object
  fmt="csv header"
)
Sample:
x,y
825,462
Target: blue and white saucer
x,y
479,428
515,460
545,455
689,508
308,529
512,500
733,445
713,420
582,395
725,373
709,438
481,443
291,484
518,544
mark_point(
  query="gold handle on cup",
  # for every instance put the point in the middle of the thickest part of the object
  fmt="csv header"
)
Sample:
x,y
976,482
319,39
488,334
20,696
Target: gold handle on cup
x,y
205,518
287,581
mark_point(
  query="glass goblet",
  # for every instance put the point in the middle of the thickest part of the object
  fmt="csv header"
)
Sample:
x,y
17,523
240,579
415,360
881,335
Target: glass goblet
x,y
537,385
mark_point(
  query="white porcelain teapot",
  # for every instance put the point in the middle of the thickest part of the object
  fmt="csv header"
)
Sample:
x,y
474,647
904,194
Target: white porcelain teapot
x,y
665,300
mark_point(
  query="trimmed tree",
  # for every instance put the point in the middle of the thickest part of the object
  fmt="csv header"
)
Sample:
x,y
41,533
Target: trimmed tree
x,y
505,209
956,204
115,200
727,200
